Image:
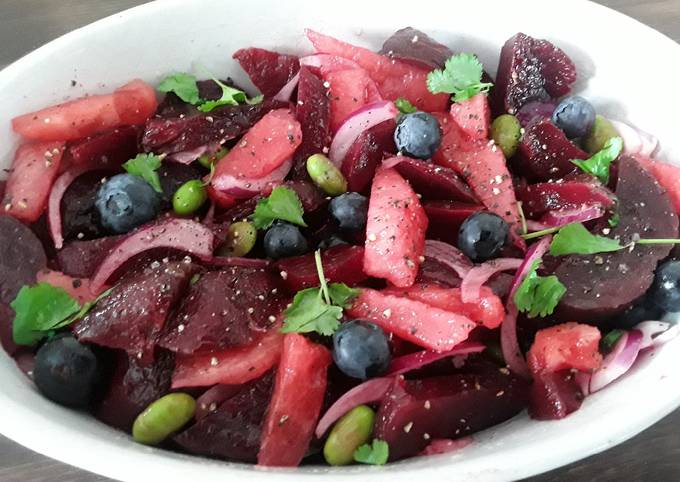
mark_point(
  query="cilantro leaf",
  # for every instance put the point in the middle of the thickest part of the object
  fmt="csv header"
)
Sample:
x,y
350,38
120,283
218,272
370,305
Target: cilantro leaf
x,y
538,295
341,294
230,96
404,106
375,454
145,166
461,76
598,164
283,203
87,307
39,309
576,239
614,219
183,85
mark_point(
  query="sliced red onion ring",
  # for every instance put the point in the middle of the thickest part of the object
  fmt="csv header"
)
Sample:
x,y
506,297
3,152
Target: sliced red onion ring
x,y
420,359
655,333
328,63
448,255
54,201
370,391
509,344
187,157
245,188
477,276
445,446
583,381
636,141
182,234
228,261
287,90
213,398
535,225
362,119
618,361
562,217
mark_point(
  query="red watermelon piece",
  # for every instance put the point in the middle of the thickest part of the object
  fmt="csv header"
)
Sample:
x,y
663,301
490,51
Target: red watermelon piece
x,y
566,346
473,116
667,175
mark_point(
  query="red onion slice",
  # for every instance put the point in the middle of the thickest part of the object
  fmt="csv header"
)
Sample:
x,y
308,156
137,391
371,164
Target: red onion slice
x,y
181,234
448,255
370,391
187,157
477,276
414,361
562,217
618,361
245,188
287,90
583,381
445,446
361,120
328,63
653,331
213,398
535,225
636,141
60,187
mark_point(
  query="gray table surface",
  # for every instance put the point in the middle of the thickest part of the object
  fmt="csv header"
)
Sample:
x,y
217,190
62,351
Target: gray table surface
x,y
652,455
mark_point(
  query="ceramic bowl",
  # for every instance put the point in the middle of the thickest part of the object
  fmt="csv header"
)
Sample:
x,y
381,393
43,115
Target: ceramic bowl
x,y
624,69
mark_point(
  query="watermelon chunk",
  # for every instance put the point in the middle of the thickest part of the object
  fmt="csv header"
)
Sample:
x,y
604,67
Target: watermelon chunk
x,y
268,70
411,320
348,92
76,287
667,175
299,392
566,346
394,78
395,231
473,116
131,104
34,169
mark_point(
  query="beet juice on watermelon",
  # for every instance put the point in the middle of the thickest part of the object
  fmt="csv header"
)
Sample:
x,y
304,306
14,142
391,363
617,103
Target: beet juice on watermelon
x,y
375,257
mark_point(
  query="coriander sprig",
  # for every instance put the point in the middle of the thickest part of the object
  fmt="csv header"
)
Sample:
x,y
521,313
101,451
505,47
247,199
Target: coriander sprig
x,y
461,76
598,165
538,295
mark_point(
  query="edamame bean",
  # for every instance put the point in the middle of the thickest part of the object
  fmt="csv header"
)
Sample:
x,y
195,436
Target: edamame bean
x,y
506,133
601,132
206,160
189,197
325,175
349,433
163,418
241,238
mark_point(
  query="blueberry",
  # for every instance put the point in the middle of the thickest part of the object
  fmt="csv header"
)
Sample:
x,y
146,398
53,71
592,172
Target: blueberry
x,y
361,349
125,202
283,240
665,291
575,116
637,313
66,371
482,235
350,211
418,135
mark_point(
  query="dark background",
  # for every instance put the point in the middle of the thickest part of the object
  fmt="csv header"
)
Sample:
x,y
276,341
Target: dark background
x,y
652,455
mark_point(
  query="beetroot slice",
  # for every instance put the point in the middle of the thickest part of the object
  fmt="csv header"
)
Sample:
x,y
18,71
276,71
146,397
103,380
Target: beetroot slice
x,y
365,154
225,309
595,290
132,317
434,182
107,149
535,112
81,258
446,218
233,430
413,46
79,216
554,395
313,112
538,199
341,264
446,407
268,70
435,272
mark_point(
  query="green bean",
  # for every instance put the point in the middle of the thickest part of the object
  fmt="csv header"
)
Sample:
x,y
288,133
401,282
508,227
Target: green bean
x,y
506,133
207,160
326,175
241,238
189,197
163,418
601,132
349,433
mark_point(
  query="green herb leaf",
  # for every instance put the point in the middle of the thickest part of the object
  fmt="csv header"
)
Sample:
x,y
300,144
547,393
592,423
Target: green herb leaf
x,y
39,309
283,203
576,239
404,106
614,219
375,454
608,342
145,166
538,295
87,307
461,76
230,96
341,294
598,164
183,85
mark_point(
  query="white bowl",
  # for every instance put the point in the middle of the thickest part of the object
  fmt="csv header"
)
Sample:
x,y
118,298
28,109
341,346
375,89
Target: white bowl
x,y
625,69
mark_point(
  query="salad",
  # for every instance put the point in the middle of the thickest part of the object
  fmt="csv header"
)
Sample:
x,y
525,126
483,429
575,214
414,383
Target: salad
x,y
373,258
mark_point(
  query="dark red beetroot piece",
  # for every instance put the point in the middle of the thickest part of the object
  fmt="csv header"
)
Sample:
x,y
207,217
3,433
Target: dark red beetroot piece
x,y
432,271
268,70
172,175
545,152
169,135
365,154
132,317
233,430
446,407
133,387
224,309
535,112
554,395
434,182
594,289
341,264
531,69
446,217
80,218
173,106
313,112
413,46
81,258
110,148
538,199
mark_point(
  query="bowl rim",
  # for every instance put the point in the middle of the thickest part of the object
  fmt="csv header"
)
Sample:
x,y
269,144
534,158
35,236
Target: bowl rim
x,y
122,462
